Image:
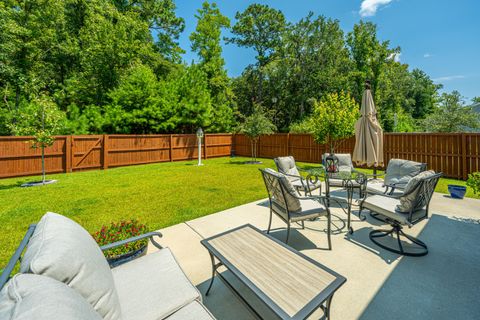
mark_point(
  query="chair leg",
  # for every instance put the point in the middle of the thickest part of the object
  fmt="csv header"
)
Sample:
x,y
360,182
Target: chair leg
x,y
397,229
303,224
329,230
288,232
270,222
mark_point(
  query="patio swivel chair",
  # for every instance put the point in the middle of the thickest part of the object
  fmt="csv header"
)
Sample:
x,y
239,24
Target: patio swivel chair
x,y
289,206
397,175
288,167
408,210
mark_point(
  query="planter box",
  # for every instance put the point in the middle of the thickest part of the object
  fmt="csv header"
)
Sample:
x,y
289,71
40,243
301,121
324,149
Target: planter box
x,y
457,192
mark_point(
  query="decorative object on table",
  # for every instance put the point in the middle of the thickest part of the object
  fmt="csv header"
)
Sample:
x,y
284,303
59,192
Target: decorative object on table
x,y
456,191
199,141
118,231
331,163
411,208
474,182
288,167
368,134
289,207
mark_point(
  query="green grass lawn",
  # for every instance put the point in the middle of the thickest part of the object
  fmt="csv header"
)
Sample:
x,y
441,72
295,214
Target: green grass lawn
x,y
159,195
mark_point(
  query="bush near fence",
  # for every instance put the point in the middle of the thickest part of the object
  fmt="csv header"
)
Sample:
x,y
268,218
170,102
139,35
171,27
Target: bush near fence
x,y
454,154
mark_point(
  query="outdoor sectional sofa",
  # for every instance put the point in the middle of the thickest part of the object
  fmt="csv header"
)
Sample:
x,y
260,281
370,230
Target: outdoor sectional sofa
x,y
64,275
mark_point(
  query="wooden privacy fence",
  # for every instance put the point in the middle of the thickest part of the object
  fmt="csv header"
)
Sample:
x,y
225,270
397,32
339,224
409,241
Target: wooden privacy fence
x,y
454,154
75,153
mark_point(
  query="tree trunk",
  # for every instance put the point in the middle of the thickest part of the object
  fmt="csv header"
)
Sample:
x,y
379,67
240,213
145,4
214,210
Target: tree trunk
x,y
43,164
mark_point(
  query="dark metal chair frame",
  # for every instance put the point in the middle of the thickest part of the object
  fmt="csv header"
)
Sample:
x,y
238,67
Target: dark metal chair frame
x,y
306,186
273,184
17,256
425,190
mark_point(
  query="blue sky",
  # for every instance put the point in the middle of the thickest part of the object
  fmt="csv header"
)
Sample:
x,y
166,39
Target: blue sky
x,y
438,36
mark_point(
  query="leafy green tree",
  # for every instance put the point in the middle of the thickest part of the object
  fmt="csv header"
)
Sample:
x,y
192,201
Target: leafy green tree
x,y
451,115
206,43
42,120
424,94
256,125
259,27
476,99
333,119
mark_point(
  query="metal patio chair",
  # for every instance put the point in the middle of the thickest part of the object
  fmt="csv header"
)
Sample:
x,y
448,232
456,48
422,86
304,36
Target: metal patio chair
x,y
289,206
288,167
411,208
397,175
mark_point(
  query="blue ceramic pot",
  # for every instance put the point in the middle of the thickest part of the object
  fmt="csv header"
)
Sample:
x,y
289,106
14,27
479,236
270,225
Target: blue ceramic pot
x,y
457,192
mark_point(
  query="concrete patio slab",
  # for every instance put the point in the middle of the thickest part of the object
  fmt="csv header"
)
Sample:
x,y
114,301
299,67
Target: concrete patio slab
x,y
442,285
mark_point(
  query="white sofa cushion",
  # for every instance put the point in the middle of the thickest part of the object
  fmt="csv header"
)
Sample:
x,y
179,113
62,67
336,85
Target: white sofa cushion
x,y
30,296
408,199
192,311
61,249
153,287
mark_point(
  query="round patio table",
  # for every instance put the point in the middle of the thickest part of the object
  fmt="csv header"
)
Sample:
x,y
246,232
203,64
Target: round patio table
x,y
350,181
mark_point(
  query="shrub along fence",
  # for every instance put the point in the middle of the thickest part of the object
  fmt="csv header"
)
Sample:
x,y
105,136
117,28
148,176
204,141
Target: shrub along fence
x,y
455,154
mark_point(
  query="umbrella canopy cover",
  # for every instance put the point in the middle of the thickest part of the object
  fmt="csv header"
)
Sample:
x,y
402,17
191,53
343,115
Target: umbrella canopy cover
x,y
368,135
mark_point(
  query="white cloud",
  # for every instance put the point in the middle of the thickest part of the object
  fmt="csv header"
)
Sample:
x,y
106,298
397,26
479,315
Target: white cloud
x,y
395,57
427,55
448,78
369,8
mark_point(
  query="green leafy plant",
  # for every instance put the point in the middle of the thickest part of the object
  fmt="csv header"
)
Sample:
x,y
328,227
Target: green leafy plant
x,y
118,231
474,182
254,126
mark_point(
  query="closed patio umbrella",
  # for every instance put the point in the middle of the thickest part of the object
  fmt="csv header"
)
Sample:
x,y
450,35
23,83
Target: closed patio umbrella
x,y
368,134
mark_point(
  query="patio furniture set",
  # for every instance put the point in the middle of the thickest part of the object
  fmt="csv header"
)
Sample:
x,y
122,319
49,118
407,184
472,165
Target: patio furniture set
x,y
400,199
64,275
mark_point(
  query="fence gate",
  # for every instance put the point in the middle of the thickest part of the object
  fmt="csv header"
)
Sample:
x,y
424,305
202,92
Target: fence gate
x,y
87,152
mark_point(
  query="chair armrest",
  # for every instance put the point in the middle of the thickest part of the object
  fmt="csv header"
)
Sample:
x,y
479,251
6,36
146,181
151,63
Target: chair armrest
x,y
149,235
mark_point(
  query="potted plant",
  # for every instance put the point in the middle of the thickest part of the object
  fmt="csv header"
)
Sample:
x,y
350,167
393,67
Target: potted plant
x,y
122,230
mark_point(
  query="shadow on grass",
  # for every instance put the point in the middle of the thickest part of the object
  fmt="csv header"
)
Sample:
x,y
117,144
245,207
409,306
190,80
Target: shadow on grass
x,y
244,162
16,184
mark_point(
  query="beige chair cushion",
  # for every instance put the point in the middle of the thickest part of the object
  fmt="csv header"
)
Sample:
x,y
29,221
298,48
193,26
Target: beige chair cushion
x,y
408,200
344,161
61,249
30,296
290,193
153,287
386,206
400,171
192,311
287,165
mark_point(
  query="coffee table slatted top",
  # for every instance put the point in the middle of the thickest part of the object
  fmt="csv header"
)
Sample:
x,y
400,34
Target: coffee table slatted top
x,y
287,277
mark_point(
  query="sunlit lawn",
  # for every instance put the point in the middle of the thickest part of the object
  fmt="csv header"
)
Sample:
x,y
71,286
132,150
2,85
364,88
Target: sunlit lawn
x,y
159,195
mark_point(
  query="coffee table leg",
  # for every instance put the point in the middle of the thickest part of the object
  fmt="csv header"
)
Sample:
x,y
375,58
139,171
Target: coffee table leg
x,y
349,203
214,269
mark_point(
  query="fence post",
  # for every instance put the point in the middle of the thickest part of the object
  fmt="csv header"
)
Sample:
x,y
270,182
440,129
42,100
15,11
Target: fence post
x,y
288,144
68,154
205,147
170,148
464,157
105,151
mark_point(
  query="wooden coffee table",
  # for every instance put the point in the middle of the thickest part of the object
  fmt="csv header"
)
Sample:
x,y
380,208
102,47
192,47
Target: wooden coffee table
x,y
291,284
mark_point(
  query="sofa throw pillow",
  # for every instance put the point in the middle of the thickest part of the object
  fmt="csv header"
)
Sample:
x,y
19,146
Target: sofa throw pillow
x,y
61,249
407,201
30,296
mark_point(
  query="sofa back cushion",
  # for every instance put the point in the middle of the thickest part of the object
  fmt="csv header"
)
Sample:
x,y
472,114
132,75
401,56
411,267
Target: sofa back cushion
x,y
30,296
288,197
408,201
61,249
287,165
401,171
